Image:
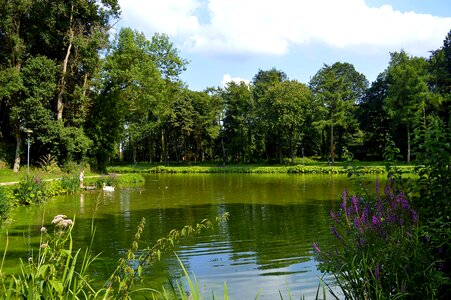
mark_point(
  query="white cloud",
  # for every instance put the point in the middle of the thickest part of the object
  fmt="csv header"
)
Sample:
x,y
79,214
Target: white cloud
x,y
249,27
228,78
173,17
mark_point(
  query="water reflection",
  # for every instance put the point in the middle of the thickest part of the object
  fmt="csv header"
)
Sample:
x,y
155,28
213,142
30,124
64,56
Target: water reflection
x,y
264,248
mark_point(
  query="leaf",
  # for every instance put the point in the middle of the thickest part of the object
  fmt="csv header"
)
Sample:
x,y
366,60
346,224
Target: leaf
x,y
57,285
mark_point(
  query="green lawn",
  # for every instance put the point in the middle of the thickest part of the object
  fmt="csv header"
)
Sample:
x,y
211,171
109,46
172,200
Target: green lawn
x,y
7,175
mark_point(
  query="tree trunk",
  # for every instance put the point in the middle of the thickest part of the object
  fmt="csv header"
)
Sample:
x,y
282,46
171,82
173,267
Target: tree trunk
x,y
16,167
134,151
332,145
60,104
163,147
408,143
151,152
291,146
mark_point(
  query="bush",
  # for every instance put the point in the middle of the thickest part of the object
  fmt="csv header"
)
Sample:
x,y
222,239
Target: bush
x,y
30,190
6,202
70,184
114,180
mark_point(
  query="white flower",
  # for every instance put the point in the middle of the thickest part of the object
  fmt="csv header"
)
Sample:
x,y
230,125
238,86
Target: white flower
x,y
61,221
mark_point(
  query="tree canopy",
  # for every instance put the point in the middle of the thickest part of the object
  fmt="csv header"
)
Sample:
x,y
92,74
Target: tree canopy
x,y
92,98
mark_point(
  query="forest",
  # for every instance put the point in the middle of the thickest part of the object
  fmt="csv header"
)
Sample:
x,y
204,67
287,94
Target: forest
x,y
81,94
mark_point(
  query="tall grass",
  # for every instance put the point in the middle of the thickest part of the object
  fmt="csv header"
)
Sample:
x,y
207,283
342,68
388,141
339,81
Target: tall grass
x,y
58,270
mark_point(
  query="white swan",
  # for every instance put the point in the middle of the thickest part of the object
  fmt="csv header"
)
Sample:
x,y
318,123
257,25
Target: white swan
x,y
108,188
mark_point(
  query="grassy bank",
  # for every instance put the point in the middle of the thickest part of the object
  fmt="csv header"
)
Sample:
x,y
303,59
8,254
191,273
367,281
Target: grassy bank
x,y
31,190
318,168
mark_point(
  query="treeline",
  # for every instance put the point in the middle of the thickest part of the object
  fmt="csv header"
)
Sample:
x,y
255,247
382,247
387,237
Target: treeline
x,y
84,98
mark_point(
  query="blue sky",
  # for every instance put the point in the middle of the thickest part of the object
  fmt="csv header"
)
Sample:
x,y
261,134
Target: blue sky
x,y
228,40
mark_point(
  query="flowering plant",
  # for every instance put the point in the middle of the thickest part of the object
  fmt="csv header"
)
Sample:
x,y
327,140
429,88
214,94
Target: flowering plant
x,y
380,252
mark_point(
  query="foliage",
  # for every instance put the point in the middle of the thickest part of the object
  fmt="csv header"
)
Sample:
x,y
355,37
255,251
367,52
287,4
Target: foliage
x,y
60,271
288,108
114,180
337,88
128,270
380,251
48,163
5,202
407,94
57,272
301,169
434,188
70,184
30,190
373,119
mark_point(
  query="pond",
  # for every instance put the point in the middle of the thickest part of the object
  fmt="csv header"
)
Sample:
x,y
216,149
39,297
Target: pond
x,y
264,248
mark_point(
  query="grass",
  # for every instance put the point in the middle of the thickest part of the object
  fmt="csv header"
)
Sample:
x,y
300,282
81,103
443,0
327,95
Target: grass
x,y
311,168
7,175
307,165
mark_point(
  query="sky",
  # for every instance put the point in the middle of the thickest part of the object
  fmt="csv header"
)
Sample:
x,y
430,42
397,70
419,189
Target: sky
x,y
231,40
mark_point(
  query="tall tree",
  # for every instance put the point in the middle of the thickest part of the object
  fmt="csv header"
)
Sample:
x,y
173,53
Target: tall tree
x,y
131,80
440,80
373,119
287,109
339,88
407,94
168,61
237,122
261,83
71,32
12,54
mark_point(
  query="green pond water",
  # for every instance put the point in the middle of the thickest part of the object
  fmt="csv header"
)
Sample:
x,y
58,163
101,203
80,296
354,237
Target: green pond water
x,y
264,248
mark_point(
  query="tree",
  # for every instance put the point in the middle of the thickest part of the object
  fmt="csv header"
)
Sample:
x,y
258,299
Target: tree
x,y
373,119
237,121
171,65
287,108
407,94
339,88
72,32
439,81
130,91
12,54
261,83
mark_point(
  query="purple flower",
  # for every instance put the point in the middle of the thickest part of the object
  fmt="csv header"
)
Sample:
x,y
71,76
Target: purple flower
x,y
345,196
355,204
387,192
403,288
414,216
377,272
315,246
335,232
375,221
358,224
366,212
333,216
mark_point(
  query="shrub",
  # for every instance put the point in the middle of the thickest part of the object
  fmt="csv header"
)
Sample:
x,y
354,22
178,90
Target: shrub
x,y
7,201
48,163
30,190
70,184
